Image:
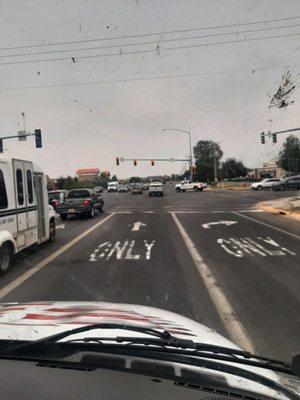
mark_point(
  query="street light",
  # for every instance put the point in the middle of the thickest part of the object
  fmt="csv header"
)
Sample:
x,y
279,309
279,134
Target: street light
x,y
190,144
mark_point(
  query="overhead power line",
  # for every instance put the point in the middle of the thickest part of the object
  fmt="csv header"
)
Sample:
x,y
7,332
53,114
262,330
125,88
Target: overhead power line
x,y
150,34
147,42
70,84
122,53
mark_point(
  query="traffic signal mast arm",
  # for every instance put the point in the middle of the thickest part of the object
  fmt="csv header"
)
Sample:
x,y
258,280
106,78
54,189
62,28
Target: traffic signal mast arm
x,y
274,134
37,133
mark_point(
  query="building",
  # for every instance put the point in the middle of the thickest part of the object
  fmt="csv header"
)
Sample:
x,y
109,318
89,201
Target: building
x,y
270,169
87,174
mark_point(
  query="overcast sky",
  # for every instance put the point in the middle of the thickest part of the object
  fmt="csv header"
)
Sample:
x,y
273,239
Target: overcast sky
x,y
223,95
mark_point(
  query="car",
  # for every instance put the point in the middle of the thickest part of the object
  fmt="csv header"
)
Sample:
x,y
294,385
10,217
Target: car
x,y
184,186
145,186
289,183
266,183
156,189
122,189
55,197
136,189
112,186
80,202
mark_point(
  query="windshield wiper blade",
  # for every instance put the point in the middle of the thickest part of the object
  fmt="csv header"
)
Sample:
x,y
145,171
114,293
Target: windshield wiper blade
x,y
48,340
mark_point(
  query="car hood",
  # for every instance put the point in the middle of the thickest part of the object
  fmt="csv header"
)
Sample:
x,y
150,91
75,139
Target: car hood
x,y
31,321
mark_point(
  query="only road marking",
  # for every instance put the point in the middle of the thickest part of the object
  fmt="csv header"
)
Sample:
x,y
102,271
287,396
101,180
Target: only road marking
x,y
234,327
227,223
22,278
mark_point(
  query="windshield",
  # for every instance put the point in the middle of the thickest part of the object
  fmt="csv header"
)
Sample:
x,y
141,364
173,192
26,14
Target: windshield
x,y
162,134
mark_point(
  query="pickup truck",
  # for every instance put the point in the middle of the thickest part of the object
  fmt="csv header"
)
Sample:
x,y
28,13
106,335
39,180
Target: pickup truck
x,y
186,185
80,202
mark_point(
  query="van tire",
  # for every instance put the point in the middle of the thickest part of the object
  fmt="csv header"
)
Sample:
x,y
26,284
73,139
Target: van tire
x,y
52,231
5,258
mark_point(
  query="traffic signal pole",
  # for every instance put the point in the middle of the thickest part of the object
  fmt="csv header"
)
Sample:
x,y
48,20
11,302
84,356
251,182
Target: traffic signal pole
x,y
22,136
274,134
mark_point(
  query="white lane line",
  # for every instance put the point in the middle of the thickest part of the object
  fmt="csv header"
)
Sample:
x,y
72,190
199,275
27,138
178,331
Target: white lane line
x,y
268,225
234,327
213,211
22,278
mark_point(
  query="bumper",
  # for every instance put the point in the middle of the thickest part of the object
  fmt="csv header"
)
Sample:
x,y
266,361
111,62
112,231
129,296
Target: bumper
x,y
70,211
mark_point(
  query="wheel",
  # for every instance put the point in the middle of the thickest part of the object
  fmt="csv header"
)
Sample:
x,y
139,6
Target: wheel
x,y
5,258
201,190
63,217
91,213
259,187
52,231
195,189
178,189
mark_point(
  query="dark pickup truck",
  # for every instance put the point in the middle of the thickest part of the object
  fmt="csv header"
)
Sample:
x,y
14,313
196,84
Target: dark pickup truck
x,y
80,202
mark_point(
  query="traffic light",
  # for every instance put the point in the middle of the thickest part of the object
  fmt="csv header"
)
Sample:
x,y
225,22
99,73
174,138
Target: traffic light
x,y
134,163
38,138
274,138
152,163
117,161
1,145
262,138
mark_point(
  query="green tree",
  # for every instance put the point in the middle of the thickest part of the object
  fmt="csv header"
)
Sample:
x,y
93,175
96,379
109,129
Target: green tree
x,y
114,178
232,168
289,155
206,153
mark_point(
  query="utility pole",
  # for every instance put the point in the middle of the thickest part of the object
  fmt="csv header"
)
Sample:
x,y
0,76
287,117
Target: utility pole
x,y
190,146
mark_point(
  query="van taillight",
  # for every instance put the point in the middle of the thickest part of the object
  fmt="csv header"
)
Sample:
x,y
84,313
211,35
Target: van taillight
x,y
86,202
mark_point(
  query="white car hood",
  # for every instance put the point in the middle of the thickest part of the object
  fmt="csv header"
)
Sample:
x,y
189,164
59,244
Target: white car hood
x,y
32,321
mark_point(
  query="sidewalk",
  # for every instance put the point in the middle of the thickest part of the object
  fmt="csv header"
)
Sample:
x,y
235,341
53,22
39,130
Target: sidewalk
x,y
289,206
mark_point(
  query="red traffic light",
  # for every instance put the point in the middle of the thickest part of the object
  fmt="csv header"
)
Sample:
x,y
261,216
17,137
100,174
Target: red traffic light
x,y
152,163
134,163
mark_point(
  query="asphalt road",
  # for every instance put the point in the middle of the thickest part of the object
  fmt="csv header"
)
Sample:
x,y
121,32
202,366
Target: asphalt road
x,y
239,275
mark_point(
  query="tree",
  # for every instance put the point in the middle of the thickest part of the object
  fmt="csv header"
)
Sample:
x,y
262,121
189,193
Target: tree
x,y
206,153
114,178
289,155
232,168
134,179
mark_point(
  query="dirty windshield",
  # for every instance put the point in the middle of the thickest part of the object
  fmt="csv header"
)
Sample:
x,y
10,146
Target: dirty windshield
x,y
184,117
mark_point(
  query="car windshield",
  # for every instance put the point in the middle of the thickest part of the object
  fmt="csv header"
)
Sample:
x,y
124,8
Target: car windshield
x,y
149,170
73,194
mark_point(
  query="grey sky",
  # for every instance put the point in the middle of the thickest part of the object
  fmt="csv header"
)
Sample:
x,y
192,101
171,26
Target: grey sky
x,y
89,125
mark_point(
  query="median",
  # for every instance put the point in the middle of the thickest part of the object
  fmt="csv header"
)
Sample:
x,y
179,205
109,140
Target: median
x,y
289,206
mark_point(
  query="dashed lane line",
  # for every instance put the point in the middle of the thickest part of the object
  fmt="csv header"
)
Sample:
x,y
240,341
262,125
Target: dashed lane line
x,y
22,278
232,324
268,225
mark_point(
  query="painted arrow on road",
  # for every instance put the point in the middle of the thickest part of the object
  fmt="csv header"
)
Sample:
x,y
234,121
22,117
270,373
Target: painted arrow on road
x,y
137,225
227,223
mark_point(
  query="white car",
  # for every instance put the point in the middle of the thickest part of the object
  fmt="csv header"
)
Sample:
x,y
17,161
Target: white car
x,y
156,189
264,184
113,186
189,186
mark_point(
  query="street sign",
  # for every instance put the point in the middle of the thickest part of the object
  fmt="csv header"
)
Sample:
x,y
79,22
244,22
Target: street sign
x,y
22,136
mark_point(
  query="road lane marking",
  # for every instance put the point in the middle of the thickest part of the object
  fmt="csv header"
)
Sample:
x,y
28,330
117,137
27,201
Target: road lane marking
x,y
268,225
137,225
233,326
214,211
226,223
22,278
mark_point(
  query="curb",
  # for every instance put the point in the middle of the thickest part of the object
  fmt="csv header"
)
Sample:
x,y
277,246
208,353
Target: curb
x,y
278,211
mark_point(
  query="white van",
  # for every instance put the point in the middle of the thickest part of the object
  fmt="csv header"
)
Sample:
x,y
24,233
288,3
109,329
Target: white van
x,y
112,186
26,218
